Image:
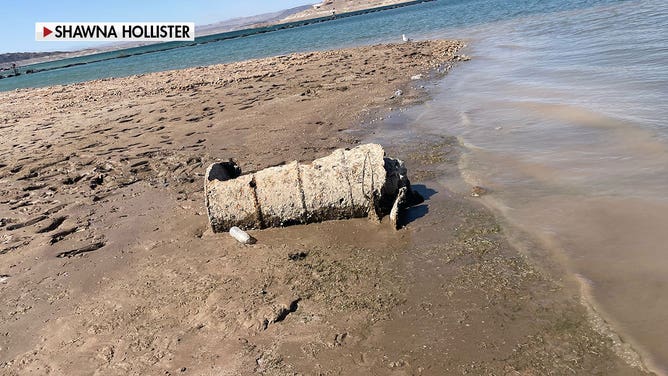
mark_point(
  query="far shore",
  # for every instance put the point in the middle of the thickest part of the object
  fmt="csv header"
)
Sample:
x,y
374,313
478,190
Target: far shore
x,y
332,10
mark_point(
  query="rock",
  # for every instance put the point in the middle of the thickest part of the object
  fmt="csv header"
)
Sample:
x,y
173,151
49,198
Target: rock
x,y
462,58
346,184
416,77
297,256
339,338
478,191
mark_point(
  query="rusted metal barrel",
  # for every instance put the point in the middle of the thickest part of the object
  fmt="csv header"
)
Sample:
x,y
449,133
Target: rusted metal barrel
x,y
346,184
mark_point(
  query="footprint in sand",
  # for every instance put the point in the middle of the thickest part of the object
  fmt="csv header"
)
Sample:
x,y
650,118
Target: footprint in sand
x,y
194,119
61,235
27,223
55,223
82,250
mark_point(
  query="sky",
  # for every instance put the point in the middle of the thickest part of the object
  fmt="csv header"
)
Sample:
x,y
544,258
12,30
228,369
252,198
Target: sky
x,y
18,17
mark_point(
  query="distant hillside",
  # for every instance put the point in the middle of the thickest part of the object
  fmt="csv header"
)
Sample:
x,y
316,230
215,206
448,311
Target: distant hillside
x,y
24,58
15,57
322,9
332,7
246,22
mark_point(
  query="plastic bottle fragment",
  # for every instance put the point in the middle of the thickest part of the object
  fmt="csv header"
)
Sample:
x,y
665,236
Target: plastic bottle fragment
x,y
241,236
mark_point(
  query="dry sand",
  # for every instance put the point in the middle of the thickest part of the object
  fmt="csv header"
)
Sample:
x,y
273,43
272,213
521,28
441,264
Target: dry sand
x,y
329,7
108,267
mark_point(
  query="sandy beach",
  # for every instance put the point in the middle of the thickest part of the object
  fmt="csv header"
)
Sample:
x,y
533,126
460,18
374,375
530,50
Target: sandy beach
x,y
108,266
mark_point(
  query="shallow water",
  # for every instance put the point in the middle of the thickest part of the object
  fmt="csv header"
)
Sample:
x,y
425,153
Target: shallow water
x,y
563,117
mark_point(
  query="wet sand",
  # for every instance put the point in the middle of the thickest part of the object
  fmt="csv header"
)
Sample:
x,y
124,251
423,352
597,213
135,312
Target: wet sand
x,y
109,268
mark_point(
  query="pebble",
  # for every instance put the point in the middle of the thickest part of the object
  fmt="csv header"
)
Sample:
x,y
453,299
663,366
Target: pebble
x,y
478,191
397,364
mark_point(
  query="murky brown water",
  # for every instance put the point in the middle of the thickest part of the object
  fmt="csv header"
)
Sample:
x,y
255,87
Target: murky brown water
x,y
568,131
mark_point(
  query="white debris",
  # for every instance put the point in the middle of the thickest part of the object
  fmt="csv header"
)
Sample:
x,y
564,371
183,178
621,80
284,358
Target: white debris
x,y
241,236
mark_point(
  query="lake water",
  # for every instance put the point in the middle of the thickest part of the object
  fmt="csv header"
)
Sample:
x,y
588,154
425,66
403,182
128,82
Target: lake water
x,y
564,117
563,113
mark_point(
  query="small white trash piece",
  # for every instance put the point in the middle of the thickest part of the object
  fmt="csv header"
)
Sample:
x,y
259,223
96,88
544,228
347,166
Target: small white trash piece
x,y
241,236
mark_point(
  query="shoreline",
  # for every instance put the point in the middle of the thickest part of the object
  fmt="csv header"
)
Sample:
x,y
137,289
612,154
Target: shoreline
x,y
118,162
540,258
546,256
631,352
203,39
